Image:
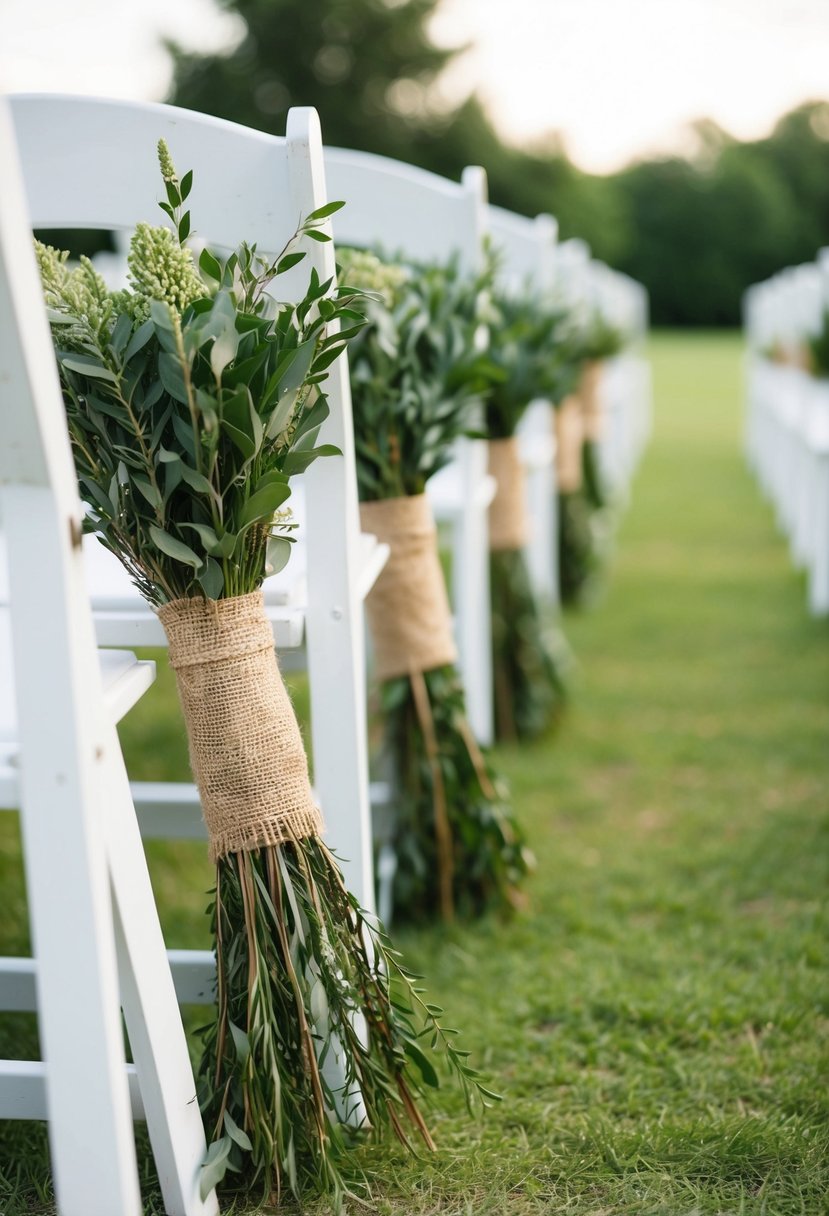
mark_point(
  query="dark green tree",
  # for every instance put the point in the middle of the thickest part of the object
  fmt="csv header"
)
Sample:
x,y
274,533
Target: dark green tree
x,y
367,66
696,231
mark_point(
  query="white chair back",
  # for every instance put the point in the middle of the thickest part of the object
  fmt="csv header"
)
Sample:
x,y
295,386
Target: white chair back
x,y
89,895
92,163
429,219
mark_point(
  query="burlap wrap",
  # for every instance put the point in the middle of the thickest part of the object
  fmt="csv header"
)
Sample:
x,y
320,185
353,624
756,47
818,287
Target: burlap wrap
x,y
246,751
590,395
407,608
509,526
569,440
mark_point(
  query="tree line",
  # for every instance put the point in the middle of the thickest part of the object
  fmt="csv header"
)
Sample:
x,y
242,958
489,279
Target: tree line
x,y
696,230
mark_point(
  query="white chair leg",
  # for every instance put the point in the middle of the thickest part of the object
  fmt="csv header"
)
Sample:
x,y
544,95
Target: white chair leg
x,y
90,1122
151,1011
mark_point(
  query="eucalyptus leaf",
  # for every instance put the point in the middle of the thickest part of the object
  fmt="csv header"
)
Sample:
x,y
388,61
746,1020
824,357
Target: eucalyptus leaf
x,y
174,548
263,504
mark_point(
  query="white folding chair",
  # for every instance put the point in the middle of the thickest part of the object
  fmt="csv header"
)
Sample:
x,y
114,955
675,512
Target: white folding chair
x,y
527,248
93,918
90,163
427,218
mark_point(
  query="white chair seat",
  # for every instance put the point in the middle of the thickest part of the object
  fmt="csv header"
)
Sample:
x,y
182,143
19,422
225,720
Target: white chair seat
x,y
123,618
125,679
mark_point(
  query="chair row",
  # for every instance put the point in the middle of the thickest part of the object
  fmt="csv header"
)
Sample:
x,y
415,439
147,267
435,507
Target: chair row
x,y
787,411
250,186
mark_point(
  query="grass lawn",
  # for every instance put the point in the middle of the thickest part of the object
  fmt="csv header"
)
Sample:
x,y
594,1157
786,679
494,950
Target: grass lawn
x,y
658,1020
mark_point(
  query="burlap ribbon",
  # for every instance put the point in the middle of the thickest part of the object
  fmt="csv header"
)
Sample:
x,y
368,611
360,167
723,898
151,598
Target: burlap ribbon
x,y
408,608
590,396
569,441
509,526
246,752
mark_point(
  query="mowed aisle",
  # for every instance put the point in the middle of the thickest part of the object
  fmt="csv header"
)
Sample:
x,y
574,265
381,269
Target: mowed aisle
x,y
657,1018
658,1022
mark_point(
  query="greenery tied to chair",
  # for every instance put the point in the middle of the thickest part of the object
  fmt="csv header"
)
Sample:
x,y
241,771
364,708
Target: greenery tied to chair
x,y
192,399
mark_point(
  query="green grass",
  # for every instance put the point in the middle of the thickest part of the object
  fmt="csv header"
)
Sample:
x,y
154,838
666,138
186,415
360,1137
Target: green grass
x,y
657,1021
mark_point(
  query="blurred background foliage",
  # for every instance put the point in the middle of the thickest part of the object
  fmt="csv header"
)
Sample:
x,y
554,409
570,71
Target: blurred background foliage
x,y
696,230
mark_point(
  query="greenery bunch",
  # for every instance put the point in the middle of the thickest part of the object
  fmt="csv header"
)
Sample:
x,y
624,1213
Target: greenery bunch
x,y
818,348
417,374
417,370
583,513
532,347
192,398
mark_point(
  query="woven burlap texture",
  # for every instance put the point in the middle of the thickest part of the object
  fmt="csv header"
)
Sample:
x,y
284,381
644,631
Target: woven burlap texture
x,y
408,608
246,752
509,525
590,395
569,441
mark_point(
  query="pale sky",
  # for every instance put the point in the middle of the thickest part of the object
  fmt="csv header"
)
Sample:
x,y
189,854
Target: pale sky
x,y
619,78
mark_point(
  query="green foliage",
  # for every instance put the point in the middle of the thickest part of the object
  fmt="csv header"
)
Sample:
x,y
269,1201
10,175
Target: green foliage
x,y
287,1060
535,350
191,401
489,856
416,370
417,373
190,404
819,348
697,231
656,1018
529,654
578,558
365,64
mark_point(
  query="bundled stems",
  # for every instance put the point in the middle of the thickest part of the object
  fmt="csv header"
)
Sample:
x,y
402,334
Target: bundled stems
x,y
319,1027
459,848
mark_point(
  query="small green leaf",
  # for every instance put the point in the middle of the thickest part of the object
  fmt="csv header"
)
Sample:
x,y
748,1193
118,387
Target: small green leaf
x,y
277,554
236,1133
184,227
195,480
174,548
211,578
120,333
323,212
172,377
210,266
139,340
186,184
149,491
297,462
423,1064
240,1042
87,366
263,504
289,260
215,1165
322,237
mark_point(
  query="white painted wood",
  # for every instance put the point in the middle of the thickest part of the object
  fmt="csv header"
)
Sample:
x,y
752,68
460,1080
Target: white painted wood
x,y
252,186
68,760
427,218
787,414
193,972
24,1086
